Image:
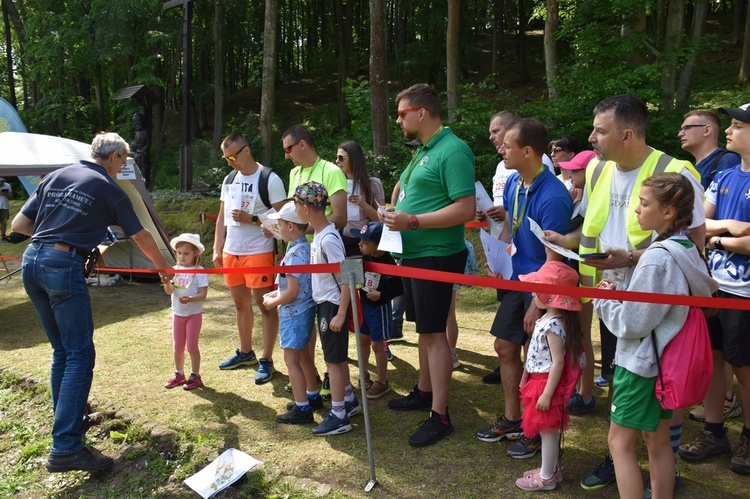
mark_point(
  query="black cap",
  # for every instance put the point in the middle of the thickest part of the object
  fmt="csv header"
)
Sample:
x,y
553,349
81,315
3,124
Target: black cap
x,y
741,113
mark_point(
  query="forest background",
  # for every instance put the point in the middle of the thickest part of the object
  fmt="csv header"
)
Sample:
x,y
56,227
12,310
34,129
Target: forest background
x,y
259,67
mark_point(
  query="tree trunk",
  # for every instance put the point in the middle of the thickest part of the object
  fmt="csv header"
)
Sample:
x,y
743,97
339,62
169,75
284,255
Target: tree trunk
x,y
521,47
344,21
218,77
551,26
379,78
268,90
700,14
744,77
739,7
672,41
9,57
453,68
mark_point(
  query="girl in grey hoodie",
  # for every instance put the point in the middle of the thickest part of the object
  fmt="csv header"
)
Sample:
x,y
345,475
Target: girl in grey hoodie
x,y
673,265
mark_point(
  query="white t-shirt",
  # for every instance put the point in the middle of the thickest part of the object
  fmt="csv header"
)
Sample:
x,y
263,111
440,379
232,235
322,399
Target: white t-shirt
x,y
498,186
615,234
4,203
327,247
246,238
187,285
539,358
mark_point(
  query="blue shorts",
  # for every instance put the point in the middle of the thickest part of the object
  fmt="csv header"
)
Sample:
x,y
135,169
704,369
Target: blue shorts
x,y
378,322
295,331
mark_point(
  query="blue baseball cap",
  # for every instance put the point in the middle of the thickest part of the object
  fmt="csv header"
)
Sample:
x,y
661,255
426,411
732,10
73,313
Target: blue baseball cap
x,y
370,232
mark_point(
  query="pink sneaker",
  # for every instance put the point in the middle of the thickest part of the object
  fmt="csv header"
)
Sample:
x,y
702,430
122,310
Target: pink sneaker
x,y
194,381
176,380
532,481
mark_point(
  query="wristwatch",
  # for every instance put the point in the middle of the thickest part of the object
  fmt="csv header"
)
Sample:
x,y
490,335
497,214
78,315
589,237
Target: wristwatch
x,y
413,223
255,219
718,245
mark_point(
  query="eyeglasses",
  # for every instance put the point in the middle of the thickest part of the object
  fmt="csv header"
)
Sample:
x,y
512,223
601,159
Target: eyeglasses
x,y
340,157
288,148
684,128
123,159
402,114
555,150
233,157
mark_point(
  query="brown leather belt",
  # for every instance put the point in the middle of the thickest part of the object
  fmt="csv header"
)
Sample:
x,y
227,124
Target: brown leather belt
x,y
67,249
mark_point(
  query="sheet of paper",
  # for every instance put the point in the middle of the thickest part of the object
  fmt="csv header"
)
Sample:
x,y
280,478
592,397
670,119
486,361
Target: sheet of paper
x,y
496,252
271,225
223,471
127,172
539,233
391,241
484,201
232,201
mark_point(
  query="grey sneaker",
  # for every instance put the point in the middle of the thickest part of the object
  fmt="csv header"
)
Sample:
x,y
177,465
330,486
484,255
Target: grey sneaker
x,y
704,445
741,460
524,447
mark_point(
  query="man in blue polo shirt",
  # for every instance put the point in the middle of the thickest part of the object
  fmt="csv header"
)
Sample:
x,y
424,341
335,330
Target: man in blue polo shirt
x,y
67,217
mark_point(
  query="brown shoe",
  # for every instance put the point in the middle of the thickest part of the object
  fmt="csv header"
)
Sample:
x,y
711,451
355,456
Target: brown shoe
x,y
377,390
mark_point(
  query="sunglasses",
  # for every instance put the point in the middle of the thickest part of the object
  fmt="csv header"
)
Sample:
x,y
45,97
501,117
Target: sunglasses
x,y
340,157
402,114
288,148
556,150
233,157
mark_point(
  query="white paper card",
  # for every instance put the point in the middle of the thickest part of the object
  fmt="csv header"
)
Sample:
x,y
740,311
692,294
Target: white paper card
x,y
127,172
352,210
484,201
539,233
496,252
270,224
391,241
232,201
223,471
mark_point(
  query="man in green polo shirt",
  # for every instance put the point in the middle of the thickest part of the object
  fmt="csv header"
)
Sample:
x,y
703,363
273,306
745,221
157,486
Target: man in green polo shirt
x,y
435,200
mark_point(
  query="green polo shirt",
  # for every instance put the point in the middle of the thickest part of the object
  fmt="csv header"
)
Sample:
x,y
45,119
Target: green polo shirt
x,y
440,172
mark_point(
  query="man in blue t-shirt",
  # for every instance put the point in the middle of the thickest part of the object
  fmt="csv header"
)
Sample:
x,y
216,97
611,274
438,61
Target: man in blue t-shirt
x,y
699,135
727,207
532,191
67,217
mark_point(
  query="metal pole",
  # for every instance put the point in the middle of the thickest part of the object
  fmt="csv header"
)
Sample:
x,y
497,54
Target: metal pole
x,y
354,270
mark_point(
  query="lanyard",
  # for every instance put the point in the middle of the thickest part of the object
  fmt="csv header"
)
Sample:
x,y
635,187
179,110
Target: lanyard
x,y
416,157
309,176
517,221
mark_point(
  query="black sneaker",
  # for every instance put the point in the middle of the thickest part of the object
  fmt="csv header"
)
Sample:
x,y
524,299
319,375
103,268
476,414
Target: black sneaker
x,y
316,403
432,430
492,378
524,447
83,460
500,429
295,415
412,402
602,476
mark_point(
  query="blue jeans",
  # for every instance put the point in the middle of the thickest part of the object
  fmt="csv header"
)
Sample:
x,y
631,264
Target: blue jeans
x,y
55,284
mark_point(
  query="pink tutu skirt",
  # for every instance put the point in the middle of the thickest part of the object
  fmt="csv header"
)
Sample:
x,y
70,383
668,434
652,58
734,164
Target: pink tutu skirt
x,y
556,417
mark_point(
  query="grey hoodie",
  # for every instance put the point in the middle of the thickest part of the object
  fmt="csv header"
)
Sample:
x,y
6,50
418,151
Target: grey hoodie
x,y
658,271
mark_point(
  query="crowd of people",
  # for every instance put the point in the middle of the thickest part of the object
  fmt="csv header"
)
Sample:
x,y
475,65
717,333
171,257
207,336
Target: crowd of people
x,y
637,217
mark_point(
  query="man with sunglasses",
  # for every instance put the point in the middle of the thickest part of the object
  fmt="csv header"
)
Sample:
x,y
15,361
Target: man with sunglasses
x,y
239,243
699,135
436,198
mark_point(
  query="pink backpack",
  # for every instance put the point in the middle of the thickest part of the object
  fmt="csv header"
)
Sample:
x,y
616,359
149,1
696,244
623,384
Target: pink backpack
x,y
686,365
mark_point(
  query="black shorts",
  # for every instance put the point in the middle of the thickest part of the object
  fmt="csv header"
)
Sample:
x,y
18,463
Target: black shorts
x,y
508,323
335,344
427,303
609,345
729,334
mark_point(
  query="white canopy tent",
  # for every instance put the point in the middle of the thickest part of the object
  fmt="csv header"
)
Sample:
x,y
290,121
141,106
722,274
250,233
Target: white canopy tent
x,y
29,154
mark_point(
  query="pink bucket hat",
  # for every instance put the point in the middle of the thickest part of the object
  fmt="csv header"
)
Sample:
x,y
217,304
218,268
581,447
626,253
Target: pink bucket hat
x,y
555,272
579,161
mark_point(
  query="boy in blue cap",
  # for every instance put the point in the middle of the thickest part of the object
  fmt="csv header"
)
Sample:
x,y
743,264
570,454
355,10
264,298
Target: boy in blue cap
x,y
376,296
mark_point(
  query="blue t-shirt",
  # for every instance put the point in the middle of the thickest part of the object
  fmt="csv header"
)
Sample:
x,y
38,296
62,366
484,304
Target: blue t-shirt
x,y
75,204
298,253
706,166
548,203
730,193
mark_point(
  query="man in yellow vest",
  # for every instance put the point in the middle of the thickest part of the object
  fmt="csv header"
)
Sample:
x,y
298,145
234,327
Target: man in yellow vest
x,y
610,230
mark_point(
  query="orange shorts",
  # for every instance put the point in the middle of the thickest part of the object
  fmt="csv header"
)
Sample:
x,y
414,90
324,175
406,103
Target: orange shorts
x,y
253,281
